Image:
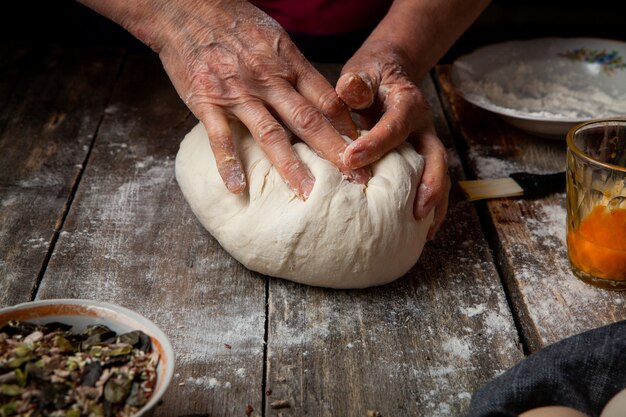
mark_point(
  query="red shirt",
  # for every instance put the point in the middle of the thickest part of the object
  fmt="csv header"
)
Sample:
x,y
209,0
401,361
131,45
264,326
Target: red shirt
x,y
325,17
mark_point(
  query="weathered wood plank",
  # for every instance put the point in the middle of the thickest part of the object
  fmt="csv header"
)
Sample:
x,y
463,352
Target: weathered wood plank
x,y
417,347
131,239
51,102
529,235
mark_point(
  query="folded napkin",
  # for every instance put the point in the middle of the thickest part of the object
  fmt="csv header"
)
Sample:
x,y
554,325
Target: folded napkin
x,y
581,372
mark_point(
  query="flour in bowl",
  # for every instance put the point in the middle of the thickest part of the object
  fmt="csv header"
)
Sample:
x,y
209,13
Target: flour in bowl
x,y
553,91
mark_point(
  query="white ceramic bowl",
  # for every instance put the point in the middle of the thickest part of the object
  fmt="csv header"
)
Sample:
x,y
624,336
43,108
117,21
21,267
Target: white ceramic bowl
x,y
547,85
81,313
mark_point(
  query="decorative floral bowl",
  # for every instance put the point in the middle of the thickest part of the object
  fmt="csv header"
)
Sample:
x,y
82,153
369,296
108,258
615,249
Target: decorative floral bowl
x,y
546,85
82,313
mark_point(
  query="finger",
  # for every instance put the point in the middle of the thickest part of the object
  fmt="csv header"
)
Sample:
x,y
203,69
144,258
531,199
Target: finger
x,y
357,89
274,141
310,125
434,186
315,88
402,110
221,138
440,214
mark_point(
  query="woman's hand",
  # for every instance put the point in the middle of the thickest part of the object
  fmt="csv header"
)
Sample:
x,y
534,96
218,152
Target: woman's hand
x,y
377,83
229,60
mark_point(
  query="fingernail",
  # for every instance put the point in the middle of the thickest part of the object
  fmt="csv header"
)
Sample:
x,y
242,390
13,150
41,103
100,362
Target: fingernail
x,y
307,187
357,90
356,160
361,175
350,131
424,201
236,182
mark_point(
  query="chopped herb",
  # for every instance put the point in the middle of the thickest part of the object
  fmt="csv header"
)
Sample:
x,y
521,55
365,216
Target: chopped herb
x,y
48,370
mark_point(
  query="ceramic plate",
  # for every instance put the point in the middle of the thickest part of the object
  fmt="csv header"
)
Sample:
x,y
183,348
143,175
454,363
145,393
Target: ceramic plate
x,y
546,86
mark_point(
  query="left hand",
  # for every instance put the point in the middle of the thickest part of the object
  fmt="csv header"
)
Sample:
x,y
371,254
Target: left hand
x,y
377,83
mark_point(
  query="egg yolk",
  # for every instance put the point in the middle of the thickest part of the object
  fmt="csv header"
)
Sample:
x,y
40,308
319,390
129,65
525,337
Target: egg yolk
x,y
598,245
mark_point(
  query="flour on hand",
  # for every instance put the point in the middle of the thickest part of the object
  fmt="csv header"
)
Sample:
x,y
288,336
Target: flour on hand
x,y
345,235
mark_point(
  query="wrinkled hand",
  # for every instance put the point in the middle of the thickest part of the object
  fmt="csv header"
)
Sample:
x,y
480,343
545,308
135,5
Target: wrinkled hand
x,y
229,60
377,83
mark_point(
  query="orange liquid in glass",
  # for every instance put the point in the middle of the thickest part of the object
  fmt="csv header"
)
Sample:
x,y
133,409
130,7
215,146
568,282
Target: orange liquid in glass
x,y
598,246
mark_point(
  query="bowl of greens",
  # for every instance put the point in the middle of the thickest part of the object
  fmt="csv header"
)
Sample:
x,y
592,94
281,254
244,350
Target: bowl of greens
x,y
74,358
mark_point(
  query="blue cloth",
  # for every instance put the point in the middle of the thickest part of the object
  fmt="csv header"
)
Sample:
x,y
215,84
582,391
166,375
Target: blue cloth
x,y
582,372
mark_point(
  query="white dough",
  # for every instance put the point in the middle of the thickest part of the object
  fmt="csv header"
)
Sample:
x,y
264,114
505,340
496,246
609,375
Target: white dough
x,y
345,235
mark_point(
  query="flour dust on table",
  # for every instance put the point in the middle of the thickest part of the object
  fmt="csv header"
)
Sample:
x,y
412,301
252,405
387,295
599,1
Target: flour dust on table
x,y
345,235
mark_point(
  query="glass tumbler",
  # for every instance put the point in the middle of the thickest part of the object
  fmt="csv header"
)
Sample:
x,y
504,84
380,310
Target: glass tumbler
x,y
596,202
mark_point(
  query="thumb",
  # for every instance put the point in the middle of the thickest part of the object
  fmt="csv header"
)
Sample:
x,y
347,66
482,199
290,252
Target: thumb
x,y
358,85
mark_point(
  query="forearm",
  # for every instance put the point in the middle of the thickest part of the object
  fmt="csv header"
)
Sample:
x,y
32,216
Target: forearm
x,y
425,29
136,16
158,22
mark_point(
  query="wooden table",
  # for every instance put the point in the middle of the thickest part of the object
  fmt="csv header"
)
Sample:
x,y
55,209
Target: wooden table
x,y
90,208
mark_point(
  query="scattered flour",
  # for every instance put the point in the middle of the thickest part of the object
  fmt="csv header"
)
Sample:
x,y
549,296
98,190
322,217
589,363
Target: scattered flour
x,y
9,201
473,311
36,243
491,167
555,219
465,396
203,381
442,409
549,228
497,323
457,347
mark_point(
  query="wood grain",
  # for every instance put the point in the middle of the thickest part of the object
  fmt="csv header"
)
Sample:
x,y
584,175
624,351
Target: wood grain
x,y
51,101
529,235
417,347
131,239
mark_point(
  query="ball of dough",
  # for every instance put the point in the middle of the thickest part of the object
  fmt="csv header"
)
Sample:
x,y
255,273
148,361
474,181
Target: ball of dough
x,y
345,235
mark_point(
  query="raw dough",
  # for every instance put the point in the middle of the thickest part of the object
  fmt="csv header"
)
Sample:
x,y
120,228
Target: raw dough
x,y
345,235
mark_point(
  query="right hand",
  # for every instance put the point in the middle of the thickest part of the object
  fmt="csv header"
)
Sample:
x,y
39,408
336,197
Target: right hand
x,y
227,59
